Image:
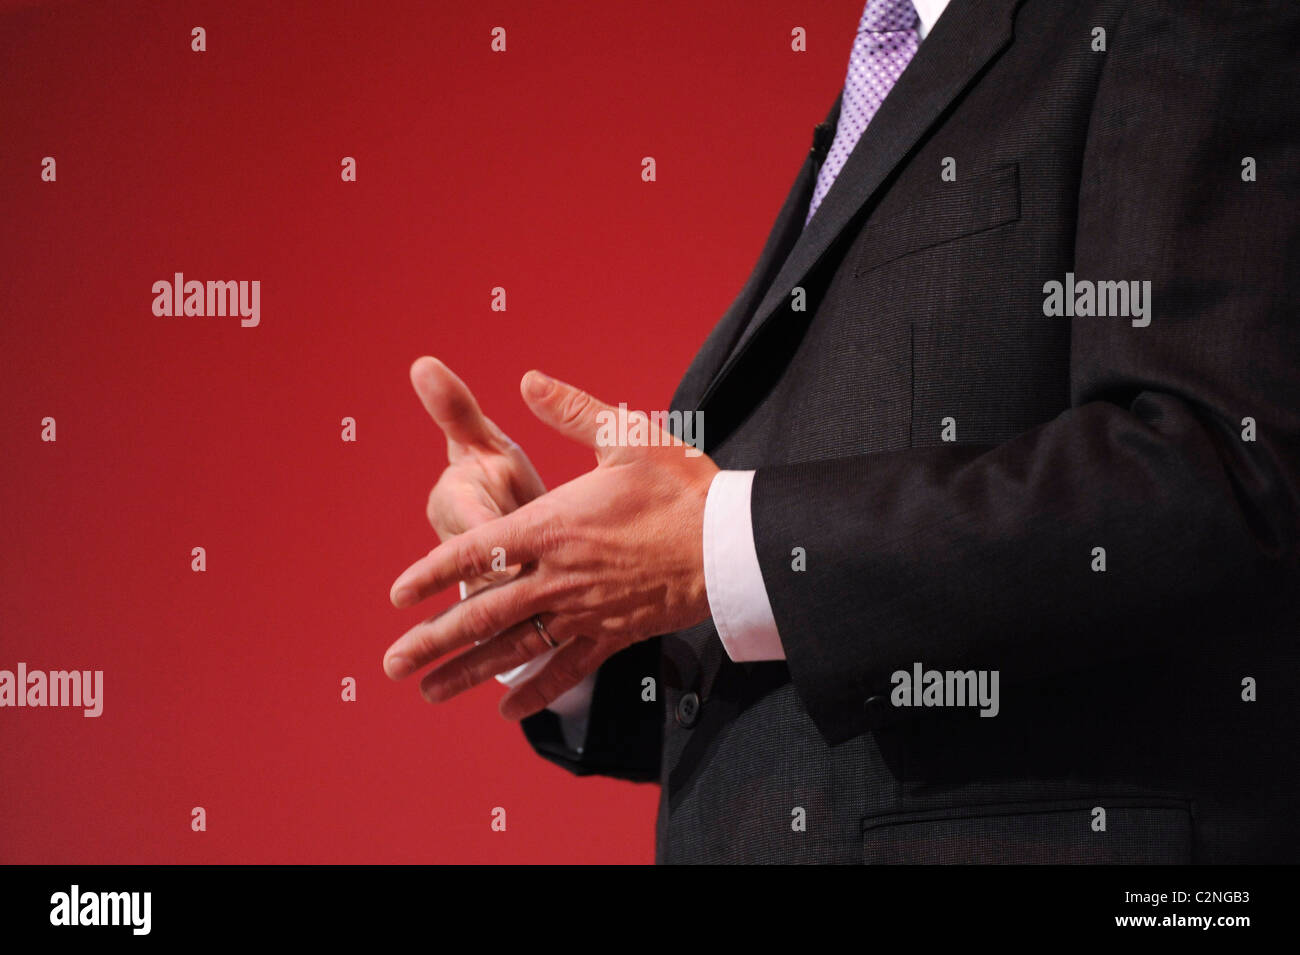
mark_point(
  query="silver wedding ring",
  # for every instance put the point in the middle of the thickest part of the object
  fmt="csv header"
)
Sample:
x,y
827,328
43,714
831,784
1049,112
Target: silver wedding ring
x,y
542,632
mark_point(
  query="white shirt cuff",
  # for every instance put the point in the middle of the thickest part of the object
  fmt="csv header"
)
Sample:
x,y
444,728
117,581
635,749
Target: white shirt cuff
x,y
738,599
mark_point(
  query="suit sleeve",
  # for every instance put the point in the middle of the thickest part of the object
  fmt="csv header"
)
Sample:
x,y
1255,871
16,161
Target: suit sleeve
x,y
963,556
624,730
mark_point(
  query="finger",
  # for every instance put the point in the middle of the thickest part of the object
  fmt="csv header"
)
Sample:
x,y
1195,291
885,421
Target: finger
x,y
481,617
453,406
569,410
517,538
509,649
570,664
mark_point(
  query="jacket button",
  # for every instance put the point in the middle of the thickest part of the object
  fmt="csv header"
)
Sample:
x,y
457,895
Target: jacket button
x,y
688,709
878,710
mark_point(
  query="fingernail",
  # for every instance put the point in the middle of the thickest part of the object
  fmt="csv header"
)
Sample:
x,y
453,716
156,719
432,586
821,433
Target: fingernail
x,y
536,385
402,597
396,667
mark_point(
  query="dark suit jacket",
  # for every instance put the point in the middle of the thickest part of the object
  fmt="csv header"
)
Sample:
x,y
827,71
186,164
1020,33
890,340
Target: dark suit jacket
x,y
1121,689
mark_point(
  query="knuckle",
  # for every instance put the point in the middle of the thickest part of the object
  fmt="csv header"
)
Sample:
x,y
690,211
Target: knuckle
x,y
562,673
573,407
530,643
558,629
426,644
433,508
469,563
465,679
525,648
479,618
558,592
551,533
574,588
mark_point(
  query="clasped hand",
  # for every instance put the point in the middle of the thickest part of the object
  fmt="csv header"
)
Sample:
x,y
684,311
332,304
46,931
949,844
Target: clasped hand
x,y
613,557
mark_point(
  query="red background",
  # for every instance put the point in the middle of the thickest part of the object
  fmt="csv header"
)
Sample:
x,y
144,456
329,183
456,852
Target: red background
x,y
475,169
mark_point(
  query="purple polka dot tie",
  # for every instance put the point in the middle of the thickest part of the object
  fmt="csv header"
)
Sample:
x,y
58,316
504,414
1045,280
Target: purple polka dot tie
x,y
887,38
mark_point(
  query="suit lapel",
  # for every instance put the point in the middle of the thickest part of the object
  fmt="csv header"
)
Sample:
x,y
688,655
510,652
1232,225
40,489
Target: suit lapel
x,y
964,40
789,222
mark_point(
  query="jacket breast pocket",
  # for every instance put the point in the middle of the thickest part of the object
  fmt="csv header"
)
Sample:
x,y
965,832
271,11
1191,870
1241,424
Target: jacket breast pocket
x,y
1143,831
954,211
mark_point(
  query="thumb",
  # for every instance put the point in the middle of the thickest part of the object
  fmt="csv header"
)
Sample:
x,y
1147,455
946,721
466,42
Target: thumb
x,y
569,410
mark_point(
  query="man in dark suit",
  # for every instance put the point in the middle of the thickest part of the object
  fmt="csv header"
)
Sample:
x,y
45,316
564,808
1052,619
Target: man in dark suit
x,y
1005,426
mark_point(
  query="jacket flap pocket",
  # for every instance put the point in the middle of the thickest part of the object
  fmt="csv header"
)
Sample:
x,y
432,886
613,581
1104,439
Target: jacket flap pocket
x,y
1148,831
958,209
